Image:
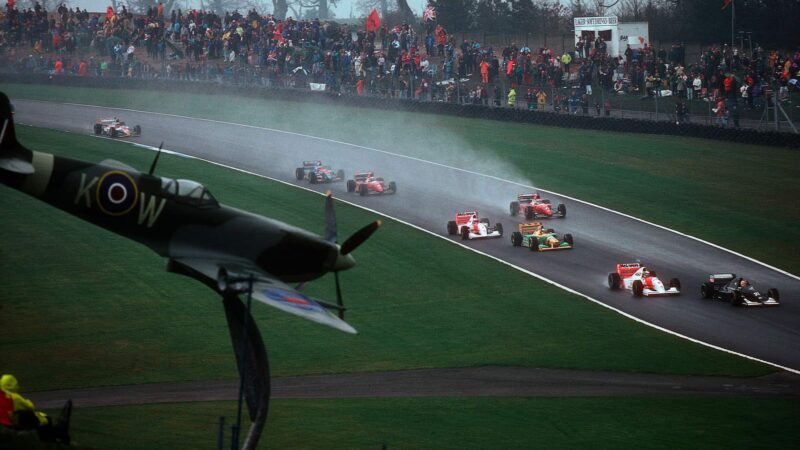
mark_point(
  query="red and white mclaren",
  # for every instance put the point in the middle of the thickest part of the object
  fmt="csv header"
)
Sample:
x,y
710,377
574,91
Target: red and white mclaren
x,y
642,281
367,183
115,128
469,226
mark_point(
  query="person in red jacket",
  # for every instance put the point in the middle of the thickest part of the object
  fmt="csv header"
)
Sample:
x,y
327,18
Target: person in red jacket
x,y
59,67
485,72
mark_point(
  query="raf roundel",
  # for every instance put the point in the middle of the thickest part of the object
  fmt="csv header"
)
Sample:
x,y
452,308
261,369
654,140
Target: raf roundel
x,y
117,193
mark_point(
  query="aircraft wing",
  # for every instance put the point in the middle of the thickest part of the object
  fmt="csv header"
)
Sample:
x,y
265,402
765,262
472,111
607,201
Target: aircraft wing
x,y
268,290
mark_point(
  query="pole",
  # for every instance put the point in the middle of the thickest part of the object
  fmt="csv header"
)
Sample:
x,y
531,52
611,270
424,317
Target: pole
x,y
658,90
221,432
242,370
733,14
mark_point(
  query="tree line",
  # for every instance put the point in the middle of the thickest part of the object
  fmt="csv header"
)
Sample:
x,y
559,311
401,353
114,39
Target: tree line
x,y
770,23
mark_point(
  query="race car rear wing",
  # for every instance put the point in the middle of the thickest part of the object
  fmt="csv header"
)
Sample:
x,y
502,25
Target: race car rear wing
x,y
627,269
524,197
721,278
312,163
529,228
463,217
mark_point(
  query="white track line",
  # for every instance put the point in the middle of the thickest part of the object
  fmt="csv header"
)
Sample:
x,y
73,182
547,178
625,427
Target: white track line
x,y
398,155
514,266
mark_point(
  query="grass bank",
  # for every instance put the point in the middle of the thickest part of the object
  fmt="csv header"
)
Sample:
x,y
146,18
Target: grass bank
x,y
488,423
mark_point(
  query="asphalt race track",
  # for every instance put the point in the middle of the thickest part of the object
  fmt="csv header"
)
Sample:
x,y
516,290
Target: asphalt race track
x,y
429,194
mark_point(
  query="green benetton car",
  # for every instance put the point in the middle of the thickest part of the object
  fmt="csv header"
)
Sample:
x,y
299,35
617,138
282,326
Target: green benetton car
x,y
539,239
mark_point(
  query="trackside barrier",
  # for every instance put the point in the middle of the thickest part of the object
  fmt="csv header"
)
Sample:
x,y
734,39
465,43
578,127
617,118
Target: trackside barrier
x,y
612,124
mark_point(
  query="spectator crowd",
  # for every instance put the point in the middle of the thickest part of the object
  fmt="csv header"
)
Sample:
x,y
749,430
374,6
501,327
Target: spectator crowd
x,y
387,61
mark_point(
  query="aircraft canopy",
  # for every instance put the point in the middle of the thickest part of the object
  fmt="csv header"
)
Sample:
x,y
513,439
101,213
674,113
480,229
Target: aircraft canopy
x,y
188,191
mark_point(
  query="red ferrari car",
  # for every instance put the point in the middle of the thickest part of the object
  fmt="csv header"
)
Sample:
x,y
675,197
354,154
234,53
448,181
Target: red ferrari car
x,y
532,206
366,183
115,128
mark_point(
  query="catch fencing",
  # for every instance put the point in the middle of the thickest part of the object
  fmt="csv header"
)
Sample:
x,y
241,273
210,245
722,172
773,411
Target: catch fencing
x,y
252,85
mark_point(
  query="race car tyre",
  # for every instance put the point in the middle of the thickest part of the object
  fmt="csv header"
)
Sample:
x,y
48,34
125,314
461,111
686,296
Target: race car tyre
x,y
498,227
562,210
393,187
484,220
637,288
113,132
451,228
98,129
312,178
707,290
363,190
613,281
568,239
513,208
465,233
299,173
530,213
137,130
675,283
351,186
516,239
340,174
736,298
773,293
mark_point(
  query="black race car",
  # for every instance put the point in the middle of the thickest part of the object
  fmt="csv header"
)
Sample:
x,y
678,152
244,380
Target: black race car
x,y
737,291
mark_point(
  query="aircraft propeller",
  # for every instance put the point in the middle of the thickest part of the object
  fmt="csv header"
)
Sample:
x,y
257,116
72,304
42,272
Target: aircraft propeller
x,y
349,245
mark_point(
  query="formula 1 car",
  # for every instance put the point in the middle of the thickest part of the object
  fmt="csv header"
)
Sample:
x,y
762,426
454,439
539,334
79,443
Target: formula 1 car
x,y
115,128
316,173
738,291
532,206
469,226
366,183
539,239
641,281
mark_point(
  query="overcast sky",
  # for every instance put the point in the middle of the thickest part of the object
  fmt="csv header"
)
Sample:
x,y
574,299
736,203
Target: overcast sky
x,y
342,10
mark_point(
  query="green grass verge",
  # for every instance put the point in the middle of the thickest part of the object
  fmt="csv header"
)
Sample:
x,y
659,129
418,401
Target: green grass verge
x,y
84,307
425,423
718,191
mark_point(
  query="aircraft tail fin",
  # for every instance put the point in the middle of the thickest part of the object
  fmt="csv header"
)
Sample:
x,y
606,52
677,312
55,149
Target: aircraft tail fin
x,y
13,156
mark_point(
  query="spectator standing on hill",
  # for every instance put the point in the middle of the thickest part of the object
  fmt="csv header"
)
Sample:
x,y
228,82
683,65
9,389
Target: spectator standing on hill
x,y
530,99
680,112
541,99
721,112
512,97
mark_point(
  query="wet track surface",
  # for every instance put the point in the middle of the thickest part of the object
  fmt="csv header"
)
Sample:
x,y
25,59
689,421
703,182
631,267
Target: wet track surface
x,y
602,238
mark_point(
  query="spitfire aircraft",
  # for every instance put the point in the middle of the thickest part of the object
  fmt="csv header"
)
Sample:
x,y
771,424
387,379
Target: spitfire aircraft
x,y
229,250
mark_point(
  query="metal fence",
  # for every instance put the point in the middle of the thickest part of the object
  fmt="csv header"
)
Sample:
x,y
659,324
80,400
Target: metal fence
x,y
449,100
